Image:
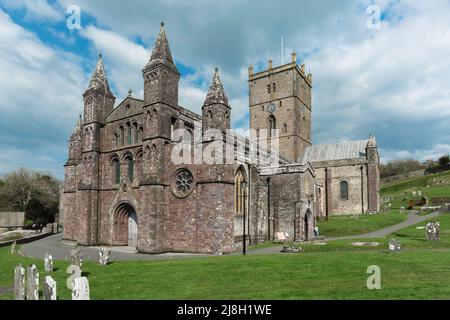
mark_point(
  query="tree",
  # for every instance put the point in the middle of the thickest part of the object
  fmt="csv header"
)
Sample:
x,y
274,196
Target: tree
x,y
444,161
35,193
396,167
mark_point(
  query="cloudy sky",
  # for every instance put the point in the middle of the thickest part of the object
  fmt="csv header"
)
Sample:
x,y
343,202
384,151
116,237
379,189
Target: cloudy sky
x,y
393,81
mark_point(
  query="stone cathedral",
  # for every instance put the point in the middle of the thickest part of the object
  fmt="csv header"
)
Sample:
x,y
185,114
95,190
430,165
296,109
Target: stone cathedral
x,y
122,187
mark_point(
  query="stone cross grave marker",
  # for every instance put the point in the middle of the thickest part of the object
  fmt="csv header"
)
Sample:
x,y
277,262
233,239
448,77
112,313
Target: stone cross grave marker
x,y
75,257
433,229
48,263
394,245
49,288
32,283
19,283
80,289
103,258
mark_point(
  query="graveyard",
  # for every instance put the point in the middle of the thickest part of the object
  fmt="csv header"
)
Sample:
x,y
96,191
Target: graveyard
x,y
413,265
334,270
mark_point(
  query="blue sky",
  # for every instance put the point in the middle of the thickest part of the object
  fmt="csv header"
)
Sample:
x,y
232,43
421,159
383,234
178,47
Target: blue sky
x,y
393,82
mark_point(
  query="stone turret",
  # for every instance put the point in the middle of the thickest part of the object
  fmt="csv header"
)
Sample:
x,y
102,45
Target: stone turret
x,y
216,109
161,76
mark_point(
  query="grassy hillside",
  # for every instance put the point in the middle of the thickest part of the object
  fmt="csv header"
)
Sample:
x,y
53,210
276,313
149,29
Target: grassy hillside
x,y
431,186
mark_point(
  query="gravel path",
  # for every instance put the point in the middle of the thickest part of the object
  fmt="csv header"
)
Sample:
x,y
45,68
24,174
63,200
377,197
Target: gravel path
x,y
60,250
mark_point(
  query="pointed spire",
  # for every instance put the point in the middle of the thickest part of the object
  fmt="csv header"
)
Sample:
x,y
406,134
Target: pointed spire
x,y
216,93
99,80
161,51
372,142
76,133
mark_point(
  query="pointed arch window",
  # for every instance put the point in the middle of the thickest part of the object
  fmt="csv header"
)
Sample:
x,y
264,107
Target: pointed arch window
x,y
122,136
129,135
272,124
344,190
130,167
239,193
135,133
116,166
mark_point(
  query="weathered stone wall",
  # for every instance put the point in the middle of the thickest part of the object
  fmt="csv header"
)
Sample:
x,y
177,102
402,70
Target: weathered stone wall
x,y
356,179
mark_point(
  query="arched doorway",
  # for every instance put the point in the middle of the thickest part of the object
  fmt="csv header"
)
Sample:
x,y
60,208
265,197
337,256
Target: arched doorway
x,y
307,224
125,226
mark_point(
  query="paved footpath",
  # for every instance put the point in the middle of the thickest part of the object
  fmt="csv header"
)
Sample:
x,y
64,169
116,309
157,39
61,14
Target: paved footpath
x,y
60,250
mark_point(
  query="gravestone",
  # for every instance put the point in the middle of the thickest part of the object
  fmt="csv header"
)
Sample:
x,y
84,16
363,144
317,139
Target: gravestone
x,y
19,283
414,193
80,290
292,249
103,258
433,229
419,193
48,263
76,257
32,283
49,288
13,247
394,245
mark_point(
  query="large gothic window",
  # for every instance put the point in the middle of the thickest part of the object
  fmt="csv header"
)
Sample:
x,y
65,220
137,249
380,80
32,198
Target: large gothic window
x,y
130,166
116,166
344,190
239,193
272,124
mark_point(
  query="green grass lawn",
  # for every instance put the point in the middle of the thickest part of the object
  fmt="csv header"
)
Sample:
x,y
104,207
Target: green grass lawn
x,y
336,270
338,226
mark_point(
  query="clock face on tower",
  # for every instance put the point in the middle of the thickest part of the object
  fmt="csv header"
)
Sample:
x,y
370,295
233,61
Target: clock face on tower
x,y
271,108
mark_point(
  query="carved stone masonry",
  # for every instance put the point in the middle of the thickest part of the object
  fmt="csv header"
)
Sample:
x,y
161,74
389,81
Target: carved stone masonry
x,y
48,263
104,255
19,283
32,283
80,289
433,229
49,288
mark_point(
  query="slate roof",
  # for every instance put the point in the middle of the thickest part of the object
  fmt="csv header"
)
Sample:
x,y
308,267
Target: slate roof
x,y
338,151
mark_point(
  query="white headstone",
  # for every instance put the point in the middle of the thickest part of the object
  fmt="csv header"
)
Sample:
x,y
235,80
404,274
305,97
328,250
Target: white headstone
x,y
80,289
32,283
394,245
48,263
13,247
419,193
19,283
414,193
433,230
49,288
76,257
103,258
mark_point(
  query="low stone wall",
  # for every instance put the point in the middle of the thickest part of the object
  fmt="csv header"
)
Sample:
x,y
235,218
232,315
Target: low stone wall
x,y
26,240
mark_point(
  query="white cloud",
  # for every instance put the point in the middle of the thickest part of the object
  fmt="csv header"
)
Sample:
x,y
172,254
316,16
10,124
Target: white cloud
x,y
39,10
40,100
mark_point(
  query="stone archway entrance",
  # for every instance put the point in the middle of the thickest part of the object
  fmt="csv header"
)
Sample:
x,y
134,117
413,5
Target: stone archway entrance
x,y
125,226
307,224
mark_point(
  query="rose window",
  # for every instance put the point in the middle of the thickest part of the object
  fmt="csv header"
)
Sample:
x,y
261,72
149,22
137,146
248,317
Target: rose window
x,y
183,183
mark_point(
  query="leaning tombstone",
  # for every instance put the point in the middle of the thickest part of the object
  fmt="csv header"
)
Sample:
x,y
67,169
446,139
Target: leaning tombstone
x,y
49,288
19,283
32,283
80,290
75,257
433,230
394,245
13,247
48,263
103,258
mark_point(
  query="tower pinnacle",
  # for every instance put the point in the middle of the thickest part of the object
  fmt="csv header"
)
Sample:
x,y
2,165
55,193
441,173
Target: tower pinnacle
x,y
216,93
98,79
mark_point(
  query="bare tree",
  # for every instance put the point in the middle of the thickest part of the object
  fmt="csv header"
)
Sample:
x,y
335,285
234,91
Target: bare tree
x,y
33,192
